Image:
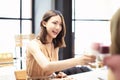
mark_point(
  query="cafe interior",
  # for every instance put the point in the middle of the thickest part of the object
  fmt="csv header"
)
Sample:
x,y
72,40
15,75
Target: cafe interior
x,y
87,26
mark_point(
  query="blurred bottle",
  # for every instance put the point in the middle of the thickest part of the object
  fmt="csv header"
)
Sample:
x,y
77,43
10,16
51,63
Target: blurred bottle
x,y
104,51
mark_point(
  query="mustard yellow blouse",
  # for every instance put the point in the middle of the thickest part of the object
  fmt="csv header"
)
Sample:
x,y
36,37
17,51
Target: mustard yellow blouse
x,y
33,69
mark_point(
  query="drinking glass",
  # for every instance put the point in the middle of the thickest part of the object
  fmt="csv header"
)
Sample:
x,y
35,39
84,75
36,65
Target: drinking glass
x,y
95,48
101,50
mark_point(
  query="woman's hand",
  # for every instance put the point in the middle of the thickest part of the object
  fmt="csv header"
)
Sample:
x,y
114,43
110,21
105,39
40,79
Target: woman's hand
x,y
63,76
86,59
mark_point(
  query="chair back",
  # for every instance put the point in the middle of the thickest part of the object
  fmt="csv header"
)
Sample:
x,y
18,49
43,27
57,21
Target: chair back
x,y
21,41
20,38
20,74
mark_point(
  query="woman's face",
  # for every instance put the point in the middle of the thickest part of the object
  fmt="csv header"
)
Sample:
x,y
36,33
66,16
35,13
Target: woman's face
x,y
53,26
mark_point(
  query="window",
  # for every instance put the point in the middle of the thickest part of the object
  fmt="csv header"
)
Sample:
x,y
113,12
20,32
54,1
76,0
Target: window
x,y
91,22
15,18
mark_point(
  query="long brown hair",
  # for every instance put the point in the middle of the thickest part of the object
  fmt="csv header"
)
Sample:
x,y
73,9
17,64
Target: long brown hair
x,y
59,40
115,33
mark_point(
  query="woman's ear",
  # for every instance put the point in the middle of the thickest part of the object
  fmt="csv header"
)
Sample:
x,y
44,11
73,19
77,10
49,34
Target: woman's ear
x,y
44,23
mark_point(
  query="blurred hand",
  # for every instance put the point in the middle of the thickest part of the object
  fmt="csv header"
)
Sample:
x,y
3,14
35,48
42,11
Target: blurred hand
x,y
113,62
63,76
86,59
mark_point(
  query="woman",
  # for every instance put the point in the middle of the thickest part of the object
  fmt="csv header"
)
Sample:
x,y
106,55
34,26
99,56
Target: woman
x,y
113,62
42,52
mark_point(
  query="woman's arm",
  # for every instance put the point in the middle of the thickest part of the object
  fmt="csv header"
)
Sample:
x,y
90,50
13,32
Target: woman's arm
x,y
50,67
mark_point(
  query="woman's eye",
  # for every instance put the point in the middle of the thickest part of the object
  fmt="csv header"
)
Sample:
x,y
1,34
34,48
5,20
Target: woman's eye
x,y
54,22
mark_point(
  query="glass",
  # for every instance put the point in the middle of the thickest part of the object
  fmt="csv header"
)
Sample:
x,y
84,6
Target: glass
x,y
94,50
93,65
100,51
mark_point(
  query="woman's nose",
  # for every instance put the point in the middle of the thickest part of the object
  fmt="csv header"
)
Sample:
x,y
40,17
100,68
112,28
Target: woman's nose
x,y
58,27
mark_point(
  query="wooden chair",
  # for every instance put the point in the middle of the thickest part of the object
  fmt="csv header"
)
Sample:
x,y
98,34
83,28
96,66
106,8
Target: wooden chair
x,y
21,41
20,38
20,74
6,59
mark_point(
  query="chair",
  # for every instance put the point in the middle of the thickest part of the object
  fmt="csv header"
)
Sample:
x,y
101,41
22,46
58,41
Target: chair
x,y
20,38
20,74
21,41
6,59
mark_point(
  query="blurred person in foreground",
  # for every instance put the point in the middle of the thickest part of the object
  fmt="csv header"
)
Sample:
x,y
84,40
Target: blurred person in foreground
x,y
113,61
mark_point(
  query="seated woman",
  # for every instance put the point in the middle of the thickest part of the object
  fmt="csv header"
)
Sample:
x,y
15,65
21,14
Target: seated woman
x,y
42,52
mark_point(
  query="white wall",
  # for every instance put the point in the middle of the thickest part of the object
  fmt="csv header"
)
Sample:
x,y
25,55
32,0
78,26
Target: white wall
x,y
41,6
